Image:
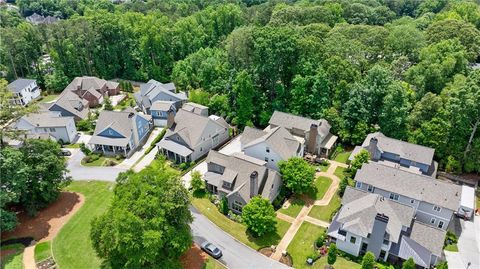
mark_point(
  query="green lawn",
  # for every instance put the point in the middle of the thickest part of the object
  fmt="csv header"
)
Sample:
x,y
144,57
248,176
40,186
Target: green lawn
x,y
339,172
72,247
101,161
452,248
302,246
211,263
49,98
294,208
321,184
323,167
15,260
238,230
43,251
342,157
325,212
72,146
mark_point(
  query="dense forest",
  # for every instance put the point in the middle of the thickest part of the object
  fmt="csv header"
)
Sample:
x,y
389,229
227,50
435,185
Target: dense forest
x,y
404,67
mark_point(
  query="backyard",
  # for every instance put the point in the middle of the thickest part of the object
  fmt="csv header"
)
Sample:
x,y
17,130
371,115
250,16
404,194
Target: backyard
x,y
72,246
342,155
238,230
321,186
301,247
325,212
296,204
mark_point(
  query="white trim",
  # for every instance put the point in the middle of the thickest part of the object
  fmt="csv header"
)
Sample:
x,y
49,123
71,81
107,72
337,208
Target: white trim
x,y
438,217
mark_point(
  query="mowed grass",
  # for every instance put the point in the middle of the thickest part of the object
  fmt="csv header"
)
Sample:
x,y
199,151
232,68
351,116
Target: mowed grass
x,y
211,263
295,206
321,185
49,98
238,230
302,246
342,157
101,161
43,251
340,172
15,260
72,247
452,248
325,212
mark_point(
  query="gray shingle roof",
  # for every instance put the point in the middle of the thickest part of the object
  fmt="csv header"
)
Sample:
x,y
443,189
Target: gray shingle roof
x,y
46,119
192,127
239,167
419,187
73,104
279,140
409,151
195,108
19,84
290,121
429,237
152,88
359,209
161,105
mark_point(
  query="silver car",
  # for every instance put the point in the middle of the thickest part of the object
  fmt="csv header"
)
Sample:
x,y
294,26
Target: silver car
x,y
211,249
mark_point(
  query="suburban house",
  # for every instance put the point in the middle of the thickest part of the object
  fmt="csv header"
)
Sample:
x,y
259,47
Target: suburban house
x,y
60,128
270,146
93,89
37,19
190,135
314,134
435,201
239,178
71,105
397,153
389,229
160,111
196,108
120,132
24,91
153,91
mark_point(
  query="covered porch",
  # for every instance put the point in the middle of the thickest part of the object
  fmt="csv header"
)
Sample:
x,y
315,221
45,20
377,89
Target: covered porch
x,y
174,151
110,146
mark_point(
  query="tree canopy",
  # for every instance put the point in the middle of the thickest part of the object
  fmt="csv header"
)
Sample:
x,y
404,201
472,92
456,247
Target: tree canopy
x,y
147,225
297,174
259,216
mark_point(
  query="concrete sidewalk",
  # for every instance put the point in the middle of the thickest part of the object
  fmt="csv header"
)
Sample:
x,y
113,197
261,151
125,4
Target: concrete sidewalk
x,y
129,162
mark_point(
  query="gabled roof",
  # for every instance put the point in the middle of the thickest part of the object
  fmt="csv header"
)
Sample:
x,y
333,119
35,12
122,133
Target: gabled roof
x,y
73,104
152,88
122,122
429,237
238,168
192,127
19,84
405,150
45,119
278,139
195,108
290,121
359,209
416,186
87,83
162,105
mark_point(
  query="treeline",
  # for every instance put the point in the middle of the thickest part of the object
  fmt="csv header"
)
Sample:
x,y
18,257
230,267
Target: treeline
x,y
401,67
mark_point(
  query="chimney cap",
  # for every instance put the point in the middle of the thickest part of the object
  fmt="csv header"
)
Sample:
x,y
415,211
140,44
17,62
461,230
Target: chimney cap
x,y
314,126
254,174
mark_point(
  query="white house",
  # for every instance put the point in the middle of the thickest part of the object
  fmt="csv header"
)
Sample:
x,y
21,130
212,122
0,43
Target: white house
x,y
52,123
24,91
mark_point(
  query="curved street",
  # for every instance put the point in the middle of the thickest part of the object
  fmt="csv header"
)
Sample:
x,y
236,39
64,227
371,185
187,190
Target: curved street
x,y
79,172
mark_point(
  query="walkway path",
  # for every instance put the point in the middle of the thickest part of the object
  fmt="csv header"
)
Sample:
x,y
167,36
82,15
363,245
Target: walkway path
x,y
303,214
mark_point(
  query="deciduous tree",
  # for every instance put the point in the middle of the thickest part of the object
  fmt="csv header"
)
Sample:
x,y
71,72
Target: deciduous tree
x,y
297,174
259,216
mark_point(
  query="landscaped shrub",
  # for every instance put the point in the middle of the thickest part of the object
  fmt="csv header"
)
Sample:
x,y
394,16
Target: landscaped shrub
x,y
110,163
85,150
94,157
156,140
87,159
450,239
223,206
118,157
321,240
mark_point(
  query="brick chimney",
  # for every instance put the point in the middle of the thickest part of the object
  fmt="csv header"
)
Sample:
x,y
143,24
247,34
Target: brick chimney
x,y
378,234
372,147
170,119
312,138
253,184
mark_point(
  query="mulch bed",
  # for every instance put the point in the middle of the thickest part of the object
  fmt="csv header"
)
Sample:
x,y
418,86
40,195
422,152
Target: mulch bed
x,y
46,221
194,258
268,251
46,264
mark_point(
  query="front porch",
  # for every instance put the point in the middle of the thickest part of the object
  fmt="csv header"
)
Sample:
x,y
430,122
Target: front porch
x,y
175,156
110,150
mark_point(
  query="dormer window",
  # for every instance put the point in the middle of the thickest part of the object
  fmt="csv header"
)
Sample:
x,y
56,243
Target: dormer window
x,y
370,188
394,196
437,208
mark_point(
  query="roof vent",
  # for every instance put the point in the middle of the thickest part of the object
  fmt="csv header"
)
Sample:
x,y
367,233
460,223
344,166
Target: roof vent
x,y
130,115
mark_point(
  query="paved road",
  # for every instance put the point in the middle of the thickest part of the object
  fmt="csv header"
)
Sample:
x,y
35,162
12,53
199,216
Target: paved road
x,y
80,172
235,254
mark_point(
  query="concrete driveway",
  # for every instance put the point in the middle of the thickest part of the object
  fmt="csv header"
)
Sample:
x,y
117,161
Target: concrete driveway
x,y
79,172
468,246
235,254
128,163
231,147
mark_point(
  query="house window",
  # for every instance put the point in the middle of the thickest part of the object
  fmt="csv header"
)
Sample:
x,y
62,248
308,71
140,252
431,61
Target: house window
x,y
432,221
267,149
358,185
52,129
412,201
440,224
353,240
201,149
385,242
236,205
394,196
266,159
382,255
370,188
437,208
45,130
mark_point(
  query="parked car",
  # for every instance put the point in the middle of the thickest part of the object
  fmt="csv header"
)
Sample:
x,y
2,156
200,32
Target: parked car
x,y
65,152
211,249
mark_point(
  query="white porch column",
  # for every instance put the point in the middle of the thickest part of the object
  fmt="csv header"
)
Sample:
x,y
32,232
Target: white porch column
x,y
103,149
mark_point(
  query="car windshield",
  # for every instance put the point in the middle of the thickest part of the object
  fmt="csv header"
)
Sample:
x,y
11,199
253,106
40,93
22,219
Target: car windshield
x,y
213,248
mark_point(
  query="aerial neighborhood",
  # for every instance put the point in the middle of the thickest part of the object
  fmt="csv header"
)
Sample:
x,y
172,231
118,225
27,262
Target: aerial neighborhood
x,y
240,134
